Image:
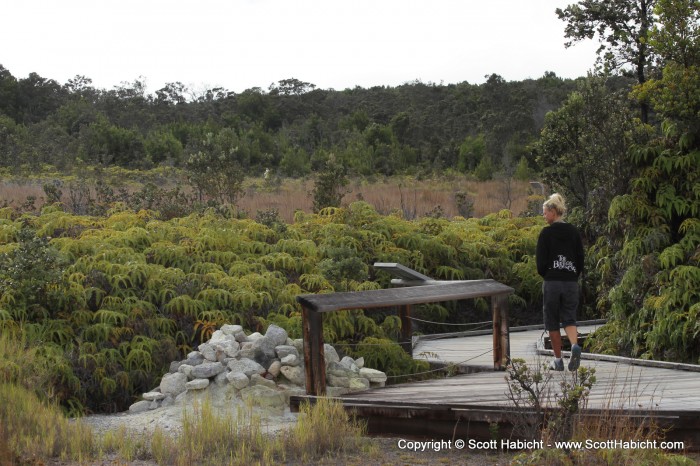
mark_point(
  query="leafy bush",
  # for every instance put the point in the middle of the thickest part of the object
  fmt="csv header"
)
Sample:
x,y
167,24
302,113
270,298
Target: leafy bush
x,y
115,298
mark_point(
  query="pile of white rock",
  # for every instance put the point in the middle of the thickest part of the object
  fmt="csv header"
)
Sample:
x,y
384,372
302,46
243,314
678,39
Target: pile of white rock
x,y
264,370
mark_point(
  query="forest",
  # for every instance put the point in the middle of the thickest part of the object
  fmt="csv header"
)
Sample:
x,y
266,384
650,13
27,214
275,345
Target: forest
x,y
137,250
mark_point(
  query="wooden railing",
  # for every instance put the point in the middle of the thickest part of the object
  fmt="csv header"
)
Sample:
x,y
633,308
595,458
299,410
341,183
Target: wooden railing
x,y
314,305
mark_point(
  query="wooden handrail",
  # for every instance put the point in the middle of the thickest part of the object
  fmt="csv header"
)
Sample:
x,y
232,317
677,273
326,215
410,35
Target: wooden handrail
x,y
313,305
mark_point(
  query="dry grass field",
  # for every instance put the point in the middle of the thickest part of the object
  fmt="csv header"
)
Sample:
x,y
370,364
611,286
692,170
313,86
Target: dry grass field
x,y
449,196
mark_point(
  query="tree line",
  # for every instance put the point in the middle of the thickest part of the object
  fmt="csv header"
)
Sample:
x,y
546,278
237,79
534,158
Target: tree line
x,y
291,129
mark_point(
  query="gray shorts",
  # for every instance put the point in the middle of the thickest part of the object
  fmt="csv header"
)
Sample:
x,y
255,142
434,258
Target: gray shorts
x,y
560,301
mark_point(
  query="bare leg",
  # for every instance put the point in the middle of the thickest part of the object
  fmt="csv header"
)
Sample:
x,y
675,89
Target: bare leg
x,y
555,338
572,334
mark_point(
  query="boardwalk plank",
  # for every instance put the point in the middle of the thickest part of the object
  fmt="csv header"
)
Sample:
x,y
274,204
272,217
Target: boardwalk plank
x,y
660,392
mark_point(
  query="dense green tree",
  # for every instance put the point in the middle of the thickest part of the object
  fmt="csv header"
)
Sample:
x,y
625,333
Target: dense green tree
x,y
675,37
471,152
582,149
12,142
111,144
215,166
622,27
8,93
407,129
172,94
80,88
330,185
162,146
291,86
37,98
650,260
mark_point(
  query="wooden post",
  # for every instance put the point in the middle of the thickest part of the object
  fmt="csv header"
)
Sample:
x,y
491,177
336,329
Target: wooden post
x,y
314,357
501,335
406,338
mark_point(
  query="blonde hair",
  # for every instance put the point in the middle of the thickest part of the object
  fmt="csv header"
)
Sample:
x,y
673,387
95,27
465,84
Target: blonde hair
x,y
556,203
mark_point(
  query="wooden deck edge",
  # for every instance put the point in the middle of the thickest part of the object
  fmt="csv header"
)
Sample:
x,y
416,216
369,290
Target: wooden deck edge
x,y
629,361
433,421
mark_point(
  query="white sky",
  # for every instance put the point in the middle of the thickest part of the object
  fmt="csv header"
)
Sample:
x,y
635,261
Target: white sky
x,y
334,44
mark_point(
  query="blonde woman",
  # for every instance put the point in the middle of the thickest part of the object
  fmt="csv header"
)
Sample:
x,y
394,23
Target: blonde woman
x,y
560,263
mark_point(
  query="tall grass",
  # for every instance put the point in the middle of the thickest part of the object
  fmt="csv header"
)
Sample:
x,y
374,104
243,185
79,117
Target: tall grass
x,y
411,197
33,430
323,430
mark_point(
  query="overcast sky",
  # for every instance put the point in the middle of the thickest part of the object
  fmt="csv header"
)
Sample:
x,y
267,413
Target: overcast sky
x,y
334,44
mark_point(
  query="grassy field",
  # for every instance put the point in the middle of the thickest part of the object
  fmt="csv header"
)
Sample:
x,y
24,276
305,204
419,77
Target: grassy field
x,y
448,196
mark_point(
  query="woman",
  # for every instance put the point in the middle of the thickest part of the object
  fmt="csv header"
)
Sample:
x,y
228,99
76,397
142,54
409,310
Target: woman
x,y
560,263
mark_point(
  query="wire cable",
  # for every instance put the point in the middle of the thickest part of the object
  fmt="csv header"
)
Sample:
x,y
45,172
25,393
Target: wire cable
x,y
447,366
447,323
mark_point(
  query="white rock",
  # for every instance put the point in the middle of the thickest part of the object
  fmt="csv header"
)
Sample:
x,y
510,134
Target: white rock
x,y
274,368
373,375
227,347
238,379
216,337
349,363
208,351
207,369
360,362
336,381
140,406
294,374
197,384
276,334
221,378
247,366
153,396
257,379
186,369
331,355
290,360
254,336
266,345
173,384
359,384
231,330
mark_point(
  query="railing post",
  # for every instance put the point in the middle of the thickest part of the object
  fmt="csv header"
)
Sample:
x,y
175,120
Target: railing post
x,y
314,357
501,335
406,338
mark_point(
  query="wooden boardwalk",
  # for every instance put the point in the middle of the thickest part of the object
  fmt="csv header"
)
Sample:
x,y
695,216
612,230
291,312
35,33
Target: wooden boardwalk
x,y
670,393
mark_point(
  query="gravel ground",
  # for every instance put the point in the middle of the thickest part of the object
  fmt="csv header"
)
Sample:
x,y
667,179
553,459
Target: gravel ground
x,y
384,450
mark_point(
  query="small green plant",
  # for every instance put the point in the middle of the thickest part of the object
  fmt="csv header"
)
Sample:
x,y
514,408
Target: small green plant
x,y
465,204
573,397
541,412
329,188
527,390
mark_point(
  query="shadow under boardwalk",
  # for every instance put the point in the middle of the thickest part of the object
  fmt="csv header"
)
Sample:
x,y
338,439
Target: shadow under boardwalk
x,y
476,404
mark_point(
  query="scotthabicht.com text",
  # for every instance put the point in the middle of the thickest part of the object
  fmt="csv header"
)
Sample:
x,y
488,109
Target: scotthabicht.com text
x,y
505,444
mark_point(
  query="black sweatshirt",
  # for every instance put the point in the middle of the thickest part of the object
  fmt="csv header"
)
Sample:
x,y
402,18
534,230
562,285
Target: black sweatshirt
x,y
560,252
